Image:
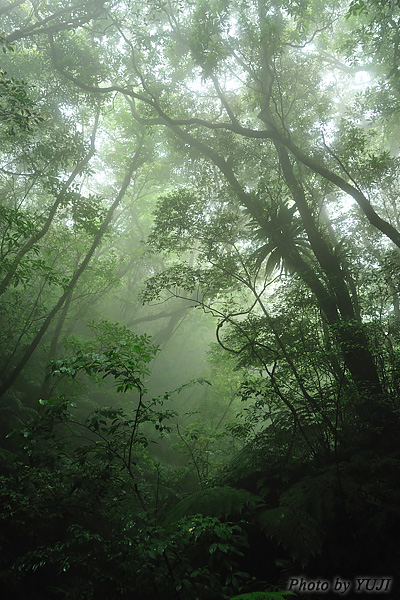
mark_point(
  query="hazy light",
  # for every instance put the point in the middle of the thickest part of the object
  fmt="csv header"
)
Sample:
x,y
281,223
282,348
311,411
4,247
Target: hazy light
x,y
362,78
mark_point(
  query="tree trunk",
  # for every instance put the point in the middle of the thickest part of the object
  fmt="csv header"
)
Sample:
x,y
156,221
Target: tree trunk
x,y
75,278
40,234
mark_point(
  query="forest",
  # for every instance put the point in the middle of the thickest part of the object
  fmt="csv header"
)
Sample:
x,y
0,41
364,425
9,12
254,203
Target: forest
x,y
200,299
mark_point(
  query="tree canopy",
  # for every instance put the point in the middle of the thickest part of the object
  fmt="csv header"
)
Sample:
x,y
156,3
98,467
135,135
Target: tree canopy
x,y
199,286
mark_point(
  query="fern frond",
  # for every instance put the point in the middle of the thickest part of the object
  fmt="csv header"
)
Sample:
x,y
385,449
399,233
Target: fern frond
x,y
294,529
219,501
245,463
315,495
264,595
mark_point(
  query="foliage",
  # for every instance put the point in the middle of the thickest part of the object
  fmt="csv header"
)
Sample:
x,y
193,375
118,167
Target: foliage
x,y
122,354
264,596
87,537
92,517
240,159
214,501
17,110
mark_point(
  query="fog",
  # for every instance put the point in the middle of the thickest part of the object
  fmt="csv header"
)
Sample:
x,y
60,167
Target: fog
x,y
199,299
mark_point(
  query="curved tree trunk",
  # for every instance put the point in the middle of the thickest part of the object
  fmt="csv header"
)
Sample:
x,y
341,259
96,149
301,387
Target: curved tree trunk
x,y
46,226
75,278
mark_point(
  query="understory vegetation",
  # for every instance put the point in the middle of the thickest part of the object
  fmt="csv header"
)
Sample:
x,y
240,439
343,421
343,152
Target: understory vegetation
x,y
199,299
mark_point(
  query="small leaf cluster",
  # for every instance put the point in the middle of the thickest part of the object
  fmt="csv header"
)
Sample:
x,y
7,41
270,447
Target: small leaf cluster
x,y
17,110
121,354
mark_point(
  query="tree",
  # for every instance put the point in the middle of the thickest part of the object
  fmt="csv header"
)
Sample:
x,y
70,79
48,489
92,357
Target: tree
x,y
214,40
268,139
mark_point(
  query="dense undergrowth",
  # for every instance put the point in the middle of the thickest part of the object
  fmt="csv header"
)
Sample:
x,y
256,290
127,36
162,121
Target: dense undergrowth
x,y
87,513
200,299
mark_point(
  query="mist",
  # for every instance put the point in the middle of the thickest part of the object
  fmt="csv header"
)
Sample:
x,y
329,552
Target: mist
x,y
200,314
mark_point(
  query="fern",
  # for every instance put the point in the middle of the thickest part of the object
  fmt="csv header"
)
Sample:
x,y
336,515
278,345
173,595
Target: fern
x,y
304,508
264,596
219,501
294,529
246,462
314,495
